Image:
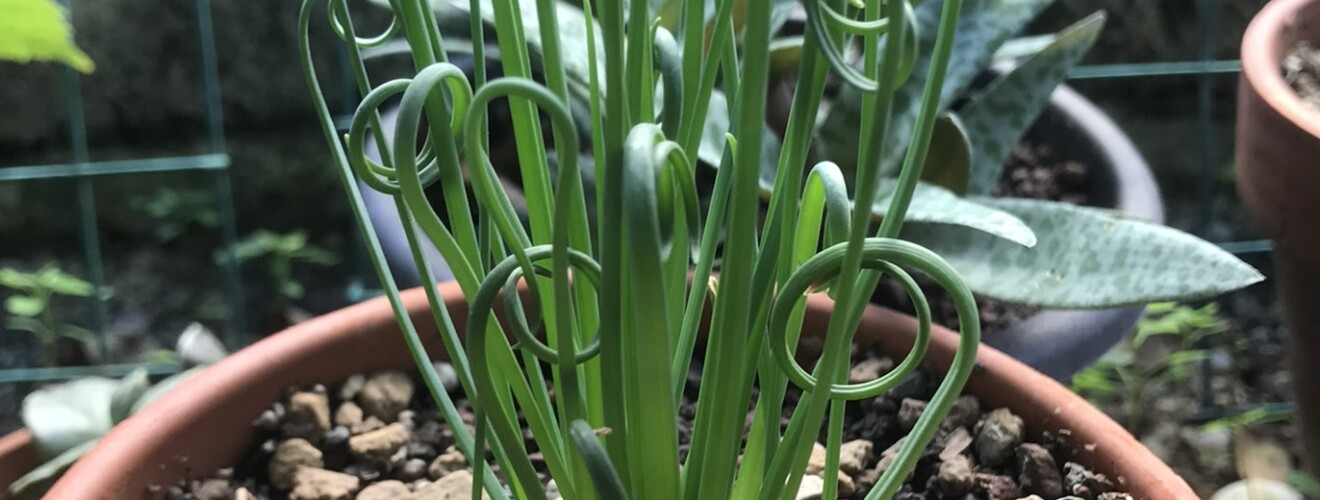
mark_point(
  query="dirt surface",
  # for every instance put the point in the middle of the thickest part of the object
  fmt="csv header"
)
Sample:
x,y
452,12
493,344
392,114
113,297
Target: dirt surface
x,y
381,433
1301,69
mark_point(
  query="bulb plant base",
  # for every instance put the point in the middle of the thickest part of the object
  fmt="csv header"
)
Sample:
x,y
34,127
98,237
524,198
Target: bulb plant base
x,y
1278,143
207,423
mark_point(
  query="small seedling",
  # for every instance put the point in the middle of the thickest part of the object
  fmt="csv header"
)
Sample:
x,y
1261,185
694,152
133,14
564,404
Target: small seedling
x,y
30,307
282,252
175,211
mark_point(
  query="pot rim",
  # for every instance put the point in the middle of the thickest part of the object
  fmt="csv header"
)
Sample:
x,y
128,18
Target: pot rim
x,y
1262,54
140,444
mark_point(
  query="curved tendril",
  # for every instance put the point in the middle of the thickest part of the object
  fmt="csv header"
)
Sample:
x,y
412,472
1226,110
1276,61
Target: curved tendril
x,y
380,177
669,60
823,18
340,8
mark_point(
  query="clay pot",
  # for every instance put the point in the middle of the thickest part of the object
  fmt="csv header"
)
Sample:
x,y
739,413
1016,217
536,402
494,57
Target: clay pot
x,y
1278,179
18,456
206,423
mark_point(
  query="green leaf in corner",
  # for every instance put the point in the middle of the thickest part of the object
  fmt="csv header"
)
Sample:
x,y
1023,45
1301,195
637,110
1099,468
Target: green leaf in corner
x,y
130,389
1084,258
935,205
36,482
17,280
36,30
1000,115
950,156
64,416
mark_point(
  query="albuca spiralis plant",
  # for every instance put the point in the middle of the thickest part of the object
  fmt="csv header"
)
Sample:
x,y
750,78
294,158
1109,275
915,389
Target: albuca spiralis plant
x,y
609,291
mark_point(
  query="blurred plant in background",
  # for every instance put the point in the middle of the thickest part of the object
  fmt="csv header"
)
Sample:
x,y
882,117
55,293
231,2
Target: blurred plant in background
x,y
29,306
175,211
37,30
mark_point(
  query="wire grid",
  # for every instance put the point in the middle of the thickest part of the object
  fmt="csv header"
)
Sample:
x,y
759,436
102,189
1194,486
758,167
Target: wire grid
x,y
81,170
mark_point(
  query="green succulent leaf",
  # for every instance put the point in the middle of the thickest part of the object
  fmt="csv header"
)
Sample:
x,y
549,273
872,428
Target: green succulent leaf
x,y
934,205
26,306
15,279
26,324
163,387
64,416
949,161
130,389
55,280
984,26
37,30
998,117
1085,258
714,138
36,482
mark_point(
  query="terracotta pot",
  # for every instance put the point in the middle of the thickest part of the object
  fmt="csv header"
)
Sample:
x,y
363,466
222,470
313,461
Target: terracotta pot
x,y
18,456
1278,179
206,423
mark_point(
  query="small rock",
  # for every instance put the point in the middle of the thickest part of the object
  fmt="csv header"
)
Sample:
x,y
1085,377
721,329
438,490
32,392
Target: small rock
x,y
996,487
447,463
337,436
447,374
909,412
816,463
380,443
385,490
956,443
1000,433
270,419
853,455
1114,495
869,369
244,494
412,470
1080,481
308,415
847,487
965,412
1038,472
349,391
319,484
212,489
811,488
1031,497
289,456
386,394
368,425
456,486
349,414
954,477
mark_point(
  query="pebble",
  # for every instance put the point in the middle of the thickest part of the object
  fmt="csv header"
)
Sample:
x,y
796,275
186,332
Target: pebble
x,y
816,463
1039,474
909,411
853,455
368,425
289,456
965,412
385,490
956,443
380,443
412,470
996,487
307,416
447,463
447,374
319,484
869,369
811,488
386,394
212,489
349,414
456,486
954,477
352,387
1000,433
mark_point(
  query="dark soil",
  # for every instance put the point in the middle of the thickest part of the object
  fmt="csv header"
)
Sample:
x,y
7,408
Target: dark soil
x,y
1301,69
1033,171
368,443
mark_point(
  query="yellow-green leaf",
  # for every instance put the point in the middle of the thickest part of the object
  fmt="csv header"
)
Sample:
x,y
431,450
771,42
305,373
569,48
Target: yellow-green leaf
x,y
36,30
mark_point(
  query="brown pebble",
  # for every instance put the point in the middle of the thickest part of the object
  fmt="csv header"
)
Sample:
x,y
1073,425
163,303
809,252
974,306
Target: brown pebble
x,y
289,456
380,443
1038,472
909,411
319,484
386,394
965,412
997,487
212,489
447,463
853,455
368,425
385,490
869,369
456,486
954,477
1114,495
244,494
1000,433
348,415
307,415
412,470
